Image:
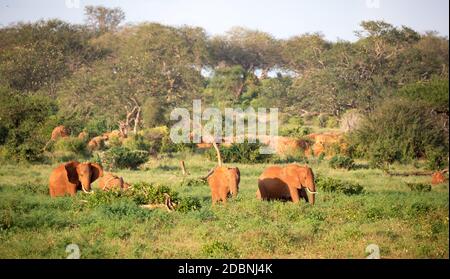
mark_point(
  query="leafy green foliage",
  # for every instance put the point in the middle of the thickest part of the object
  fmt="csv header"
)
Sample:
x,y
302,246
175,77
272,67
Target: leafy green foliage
x,y
28,123
295,132
329,184
399,130
239,153
341,162
122,158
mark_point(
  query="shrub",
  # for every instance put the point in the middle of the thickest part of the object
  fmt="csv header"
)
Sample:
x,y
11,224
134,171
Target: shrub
x,y
121,158
96,127
321,120
136,142
436,158
296,120
70,144
342,162
145,193
329,184
188,204
239,153
114,141
419,187
398,130
115,201
168,146
332,122
27,122
297,132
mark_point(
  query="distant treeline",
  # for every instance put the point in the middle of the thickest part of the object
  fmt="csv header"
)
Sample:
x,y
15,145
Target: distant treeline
x,y
104,72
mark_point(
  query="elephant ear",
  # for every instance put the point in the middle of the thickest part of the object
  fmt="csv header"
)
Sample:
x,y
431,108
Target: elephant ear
x,y
72,174
96,171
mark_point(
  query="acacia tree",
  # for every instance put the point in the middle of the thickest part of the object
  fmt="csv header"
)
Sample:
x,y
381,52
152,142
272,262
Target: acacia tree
x,y
148,61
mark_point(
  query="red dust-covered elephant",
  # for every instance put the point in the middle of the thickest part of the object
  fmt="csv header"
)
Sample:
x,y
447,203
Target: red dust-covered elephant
x,y
70,177
291,182
223,181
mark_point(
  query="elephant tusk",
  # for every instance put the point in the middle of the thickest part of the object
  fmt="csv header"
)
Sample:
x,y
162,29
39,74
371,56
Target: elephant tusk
x,y
84,190
309,191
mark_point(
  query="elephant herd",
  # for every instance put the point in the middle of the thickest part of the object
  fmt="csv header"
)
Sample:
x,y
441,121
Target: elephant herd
x,y
289,183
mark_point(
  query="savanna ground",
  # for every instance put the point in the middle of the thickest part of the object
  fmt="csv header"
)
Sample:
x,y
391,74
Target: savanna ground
x,y
403,223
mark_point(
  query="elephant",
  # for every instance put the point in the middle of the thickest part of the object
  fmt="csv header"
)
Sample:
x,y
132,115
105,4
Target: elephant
x,y
223,181
438,177
96,143
291,182
60,132
110,181
83,136
72,176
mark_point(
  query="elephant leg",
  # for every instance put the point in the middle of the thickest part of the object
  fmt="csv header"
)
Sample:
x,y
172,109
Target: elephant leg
x,y
258,195
294,194
214,196
72,190
223,195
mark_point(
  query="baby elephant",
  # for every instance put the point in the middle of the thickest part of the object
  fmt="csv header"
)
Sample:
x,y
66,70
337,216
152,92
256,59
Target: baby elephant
x,y
110,181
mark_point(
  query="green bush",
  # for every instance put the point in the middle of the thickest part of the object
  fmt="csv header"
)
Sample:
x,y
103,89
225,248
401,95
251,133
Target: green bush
x,y
121,158
297,132
188,204
96,127
436,158
419,187
70,144
145,193
244,153
114,201
26,124
329,184
399,130
136,142
342,162
332,122
321,120
168,146
296,121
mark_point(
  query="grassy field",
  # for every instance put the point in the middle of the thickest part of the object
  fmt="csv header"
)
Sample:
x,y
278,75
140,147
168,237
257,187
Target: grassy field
x,y
403,223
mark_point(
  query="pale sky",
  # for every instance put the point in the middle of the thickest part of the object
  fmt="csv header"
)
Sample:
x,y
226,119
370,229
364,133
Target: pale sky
x,y
336,19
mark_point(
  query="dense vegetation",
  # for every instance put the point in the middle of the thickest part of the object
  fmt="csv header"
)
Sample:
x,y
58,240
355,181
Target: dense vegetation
x,y
94,76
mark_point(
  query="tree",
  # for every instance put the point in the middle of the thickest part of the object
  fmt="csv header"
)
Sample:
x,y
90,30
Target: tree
x,y
103,19
252,50
38,55
305,53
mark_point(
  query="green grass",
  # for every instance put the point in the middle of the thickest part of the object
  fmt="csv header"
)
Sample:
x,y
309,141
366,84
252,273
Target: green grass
x,y
403,223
